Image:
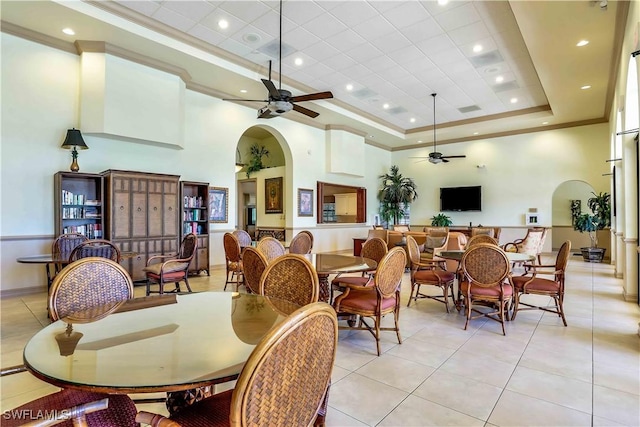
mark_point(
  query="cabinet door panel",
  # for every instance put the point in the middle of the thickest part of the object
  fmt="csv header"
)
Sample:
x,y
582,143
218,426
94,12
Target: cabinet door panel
x,y
121,211
139,207
155,214
171,216
139,261
170,246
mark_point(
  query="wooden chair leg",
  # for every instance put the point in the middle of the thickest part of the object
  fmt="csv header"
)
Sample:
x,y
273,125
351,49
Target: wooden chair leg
x,y
186,282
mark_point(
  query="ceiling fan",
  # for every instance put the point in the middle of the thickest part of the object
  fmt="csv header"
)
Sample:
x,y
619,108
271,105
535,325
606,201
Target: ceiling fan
x,y
280,100
436,157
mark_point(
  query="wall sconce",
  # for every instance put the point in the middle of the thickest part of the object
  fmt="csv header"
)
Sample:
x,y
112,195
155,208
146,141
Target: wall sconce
x,y
73,140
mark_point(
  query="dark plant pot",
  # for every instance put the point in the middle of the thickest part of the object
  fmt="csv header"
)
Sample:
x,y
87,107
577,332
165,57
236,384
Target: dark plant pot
x,y
593,254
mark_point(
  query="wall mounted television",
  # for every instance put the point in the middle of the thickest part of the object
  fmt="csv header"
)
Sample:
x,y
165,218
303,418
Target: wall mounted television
x,y
461,199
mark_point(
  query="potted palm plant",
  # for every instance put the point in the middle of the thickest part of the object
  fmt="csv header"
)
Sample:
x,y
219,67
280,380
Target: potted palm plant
x,y
395,194
598,219
256,153
441,220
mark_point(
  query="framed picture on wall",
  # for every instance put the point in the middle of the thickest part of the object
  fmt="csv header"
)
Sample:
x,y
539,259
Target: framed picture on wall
x,y
305,202
218,204
273,195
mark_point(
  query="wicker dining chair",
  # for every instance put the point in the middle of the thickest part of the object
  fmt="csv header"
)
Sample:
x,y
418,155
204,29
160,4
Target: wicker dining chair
x,y
551,286
172,268
63,245
253,265
87,283
487,281
232,253
428,273
310,236
244,238
96,247
374,249
285,380
301,244
271,248
480,238
378,300
291,277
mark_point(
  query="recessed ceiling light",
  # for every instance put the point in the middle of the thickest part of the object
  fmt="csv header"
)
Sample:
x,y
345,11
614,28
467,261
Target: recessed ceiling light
x,y
371,136
499,79
243,91
443,2
582,43
69,31
545,123
514,100
475,133
412,119
349,87
585,87
298,61
223,23
477,48
385,106
419,141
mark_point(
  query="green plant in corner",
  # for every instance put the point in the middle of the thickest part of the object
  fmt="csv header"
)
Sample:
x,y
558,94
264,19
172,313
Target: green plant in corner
x,y
441,220
256,153
395,194
598,219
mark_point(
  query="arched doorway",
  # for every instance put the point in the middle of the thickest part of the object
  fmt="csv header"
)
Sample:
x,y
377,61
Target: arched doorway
x,y
561,219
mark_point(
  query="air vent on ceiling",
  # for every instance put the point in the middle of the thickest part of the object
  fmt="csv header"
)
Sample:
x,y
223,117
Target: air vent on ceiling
x,y
485,59
469,108
363,93
397,110
271,49
506,86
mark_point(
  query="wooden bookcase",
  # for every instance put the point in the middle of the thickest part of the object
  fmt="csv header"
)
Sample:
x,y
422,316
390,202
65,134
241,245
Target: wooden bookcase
x,y
79,204
195,219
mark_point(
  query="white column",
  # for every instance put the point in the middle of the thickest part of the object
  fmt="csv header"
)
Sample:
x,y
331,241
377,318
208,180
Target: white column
x,y
630,282
620,256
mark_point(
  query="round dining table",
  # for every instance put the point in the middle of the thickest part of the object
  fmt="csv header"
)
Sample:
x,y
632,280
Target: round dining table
x,y
326,264
155,344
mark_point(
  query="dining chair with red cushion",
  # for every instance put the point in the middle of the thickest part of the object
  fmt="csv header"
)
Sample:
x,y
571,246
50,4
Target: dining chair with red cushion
x,y
96,247
63,245
232,254
480,238
253,265
375,249
291,277
271,248
301,244
486,281
378,299
428,273
244,238
552,286
161,269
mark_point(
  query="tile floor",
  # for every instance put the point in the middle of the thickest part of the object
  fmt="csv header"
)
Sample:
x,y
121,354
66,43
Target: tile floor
x,y
540,374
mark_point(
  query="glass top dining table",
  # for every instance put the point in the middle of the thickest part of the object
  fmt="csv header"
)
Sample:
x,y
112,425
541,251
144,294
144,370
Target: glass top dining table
x,y
326,264
195,340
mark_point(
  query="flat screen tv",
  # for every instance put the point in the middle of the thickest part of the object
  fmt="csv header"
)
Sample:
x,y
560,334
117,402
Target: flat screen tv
x,y
460,199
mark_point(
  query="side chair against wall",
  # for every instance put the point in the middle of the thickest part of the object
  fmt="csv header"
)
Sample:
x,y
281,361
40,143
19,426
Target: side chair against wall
x,y
428,273
234,266
253,265
95,248
301,244
487,280
172,268
378,300
63,245
552,286
480,238
87,283
531,244
244,238
284,382
292,278
271,248
374,249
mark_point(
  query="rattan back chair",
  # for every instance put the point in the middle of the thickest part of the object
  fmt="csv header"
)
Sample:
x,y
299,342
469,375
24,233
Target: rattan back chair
x,y
232,253
244,238
487,280
551,286
285,380
425,272
301,244
310,236
375,249
253,265
291,277
379,233
271,248
161,269
95,248
87,283
378,300
480,238
63,245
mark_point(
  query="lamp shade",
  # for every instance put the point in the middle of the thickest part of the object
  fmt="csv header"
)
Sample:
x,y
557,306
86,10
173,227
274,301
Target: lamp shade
x,y
74,139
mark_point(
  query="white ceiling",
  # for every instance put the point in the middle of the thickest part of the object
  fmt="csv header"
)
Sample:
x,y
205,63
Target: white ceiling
x,y
392,52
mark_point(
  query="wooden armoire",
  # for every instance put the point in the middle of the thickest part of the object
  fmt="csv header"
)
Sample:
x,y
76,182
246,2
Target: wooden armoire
x,y
142,215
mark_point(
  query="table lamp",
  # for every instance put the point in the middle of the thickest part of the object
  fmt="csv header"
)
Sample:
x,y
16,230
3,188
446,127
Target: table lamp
x,y
74,139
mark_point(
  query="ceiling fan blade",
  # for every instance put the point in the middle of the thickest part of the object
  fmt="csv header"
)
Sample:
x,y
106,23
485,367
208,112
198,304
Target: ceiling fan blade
x,y
265,114
454,157
305,111
248,100
273,92
312,96
444,160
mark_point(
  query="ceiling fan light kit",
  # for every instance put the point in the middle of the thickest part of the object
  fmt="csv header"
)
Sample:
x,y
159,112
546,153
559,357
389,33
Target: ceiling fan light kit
x,y
280,100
